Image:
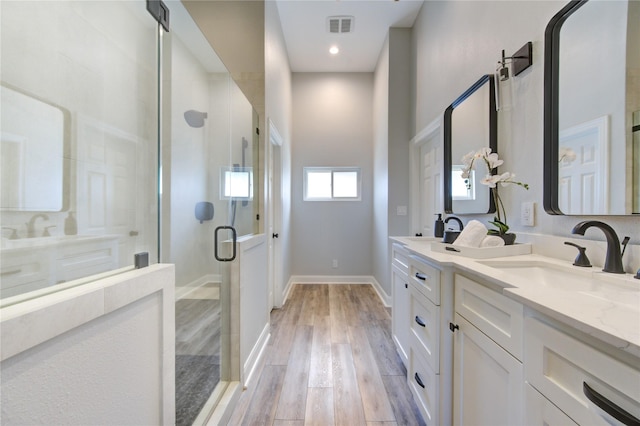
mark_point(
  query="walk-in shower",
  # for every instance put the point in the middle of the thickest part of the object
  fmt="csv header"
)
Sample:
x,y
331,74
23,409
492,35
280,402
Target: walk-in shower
x,y
210,122
99,131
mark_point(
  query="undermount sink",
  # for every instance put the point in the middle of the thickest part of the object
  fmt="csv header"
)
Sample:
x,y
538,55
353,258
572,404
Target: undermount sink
x,y
620,289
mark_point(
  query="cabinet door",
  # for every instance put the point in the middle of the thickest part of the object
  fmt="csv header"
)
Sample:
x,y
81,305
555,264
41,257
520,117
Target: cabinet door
x,y
487,380
400,313
539,411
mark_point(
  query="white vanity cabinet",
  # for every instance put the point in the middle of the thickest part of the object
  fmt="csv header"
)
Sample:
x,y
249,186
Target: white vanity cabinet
x,y
34,267
400,324
578,377
423,373
539,411
488,380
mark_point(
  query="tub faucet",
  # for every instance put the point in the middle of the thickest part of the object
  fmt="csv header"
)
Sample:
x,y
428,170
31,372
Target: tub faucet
x,y
613,259
31,225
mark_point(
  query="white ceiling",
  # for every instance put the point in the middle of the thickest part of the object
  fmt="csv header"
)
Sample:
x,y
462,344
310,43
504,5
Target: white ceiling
x,y
304,24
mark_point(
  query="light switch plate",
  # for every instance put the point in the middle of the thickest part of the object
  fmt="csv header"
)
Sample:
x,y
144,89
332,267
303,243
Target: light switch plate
x,y
527,213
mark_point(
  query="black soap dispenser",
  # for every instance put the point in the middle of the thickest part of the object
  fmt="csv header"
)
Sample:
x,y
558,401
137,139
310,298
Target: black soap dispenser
x,y
438,227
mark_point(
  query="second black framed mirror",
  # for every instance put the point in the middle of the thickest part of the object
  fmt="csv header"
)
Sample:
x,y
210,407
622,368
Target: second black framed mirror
x,y
470,123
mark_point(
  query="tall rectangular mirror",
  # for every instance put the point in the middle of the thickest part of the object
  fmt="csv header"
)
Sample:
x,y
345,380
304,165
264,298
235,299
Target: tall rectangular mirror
x,y
592,97
470,123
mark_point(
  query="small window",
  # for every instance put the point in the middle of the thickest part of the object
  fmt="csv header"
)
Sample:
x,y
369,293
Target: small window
x,y
331,184
236,183
461,188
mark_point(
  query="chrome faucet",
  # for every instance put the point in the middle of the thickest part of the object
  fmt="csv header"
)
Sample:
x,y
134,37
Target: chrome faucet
x,y
31,225
613,259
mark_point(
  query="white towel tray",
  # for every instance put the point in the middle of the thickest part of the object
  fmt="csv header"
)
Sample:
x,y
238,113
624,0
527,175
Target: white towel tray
x,y
482,252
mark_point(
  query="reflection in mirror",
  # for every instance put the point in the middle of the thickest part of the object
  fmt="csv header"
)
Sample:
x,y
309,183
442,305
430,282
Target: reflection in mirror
x,y
592,90
470,123
34,138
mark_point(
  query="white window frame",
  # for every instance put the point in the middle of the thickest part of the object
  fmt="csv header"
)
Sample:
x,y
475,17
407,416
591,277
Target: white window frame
x,y
456,172
224,171
332,170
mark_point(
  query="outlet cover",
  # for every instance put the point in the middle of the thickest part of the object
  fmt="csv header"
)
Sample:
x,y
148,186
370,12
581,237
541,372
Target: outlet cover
x,y
527,213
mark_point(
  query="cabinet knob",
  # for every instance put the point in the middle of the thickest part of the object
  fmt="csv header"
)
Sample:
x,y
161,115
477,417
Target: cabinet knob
x,y
453,327
406,285
275,235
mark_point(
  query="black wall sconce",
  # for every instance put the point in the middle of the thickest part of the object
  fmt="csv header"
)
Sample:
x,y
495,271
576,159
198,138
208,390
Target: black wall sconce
x,y
520,61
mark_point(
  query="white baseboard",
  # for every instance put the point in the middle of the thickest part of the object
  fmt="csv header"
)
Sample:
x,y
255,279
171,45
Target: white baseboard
x,y
341,279
384,297
184,290
254,358
287,291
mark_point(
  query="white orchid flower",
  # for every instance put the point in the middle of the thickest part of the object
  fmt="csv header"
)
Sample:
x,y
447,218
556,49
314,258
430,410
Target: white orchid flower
x,y
490,180
493,161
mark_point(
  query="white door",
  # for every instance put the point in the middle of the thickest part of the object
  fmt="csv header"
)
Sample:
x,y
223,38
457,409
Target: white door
x,y
107,199
487,380
275,217
430,178
582,168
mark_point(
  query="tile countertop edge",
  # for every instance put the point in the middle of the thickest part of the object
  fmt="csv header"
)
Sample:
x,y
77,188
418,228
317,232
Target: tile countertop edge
x,y
598,318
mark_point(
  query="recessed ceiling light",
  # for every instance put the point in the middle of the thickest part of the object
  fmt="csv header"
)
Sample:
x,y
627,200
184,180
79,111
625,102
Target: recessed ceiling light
x,y
334,50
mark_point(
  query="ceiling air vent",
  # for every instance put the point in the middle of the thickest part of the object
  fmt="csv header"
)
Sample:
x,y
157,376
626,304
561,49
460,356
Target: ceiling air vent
x,y
340,24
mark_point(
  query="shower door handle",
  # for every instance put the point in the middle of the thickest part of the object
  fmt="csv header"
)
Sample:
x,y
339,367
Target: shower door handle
x,y
234,237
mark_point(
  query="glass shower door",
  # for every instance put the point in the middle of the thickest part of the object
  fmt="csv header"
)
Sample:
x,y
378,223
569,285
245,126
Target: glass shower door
x,y
208,132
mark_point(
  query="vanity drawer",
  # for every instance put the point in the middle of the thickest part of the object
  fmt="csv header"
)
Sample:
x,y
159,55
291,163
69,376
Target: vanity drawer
x,y
23,270
559,366
497,316
425,327
400,257
423,383
426,279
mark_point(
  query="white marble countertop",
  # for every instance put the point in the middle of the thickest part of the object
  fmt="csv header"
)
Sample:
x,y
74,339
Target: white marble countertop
x,y
608,308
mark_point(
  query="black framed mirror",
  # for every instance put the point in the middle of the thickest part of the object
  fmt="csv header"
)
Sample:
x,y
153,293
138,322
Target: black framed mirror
x,y
470,123
592,109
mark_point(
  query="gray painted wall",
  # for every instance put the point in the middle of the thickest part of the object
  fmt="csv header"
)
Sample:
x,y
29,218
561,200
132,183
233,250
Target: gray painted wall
x,y
454,44
278,100
332,126
392,124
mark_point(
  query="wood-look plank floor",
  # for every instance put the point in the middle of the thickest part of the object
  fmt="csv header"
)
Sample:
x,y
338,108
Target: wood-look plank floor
x,y
330,361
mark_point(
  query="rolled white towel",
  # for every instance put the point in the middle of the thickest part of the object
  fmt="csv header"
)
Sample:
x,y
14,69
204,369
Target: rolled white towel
x,y
472,235
492,241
